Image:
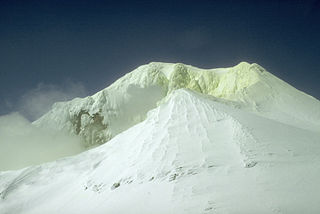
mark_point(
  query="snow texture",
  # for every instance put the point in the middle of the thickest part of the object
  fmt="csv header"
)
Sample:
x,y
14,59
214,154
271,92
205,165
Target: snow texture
x,y
180,140
100,117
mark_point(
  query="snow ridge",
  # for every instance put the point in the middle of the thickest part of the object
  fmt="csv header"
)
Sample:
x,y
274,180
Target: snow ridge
x,y
192,154
180,140
100,117
142,154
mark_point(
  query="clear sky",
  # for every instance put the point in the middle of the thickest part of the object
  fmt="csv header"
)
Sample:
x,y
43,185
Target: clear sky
x,y
61,49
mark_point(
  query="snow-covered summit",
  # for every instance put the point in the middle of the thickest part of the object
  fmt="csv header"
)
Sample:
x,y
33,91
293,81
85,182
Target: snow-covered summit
x,y
100,117
182,140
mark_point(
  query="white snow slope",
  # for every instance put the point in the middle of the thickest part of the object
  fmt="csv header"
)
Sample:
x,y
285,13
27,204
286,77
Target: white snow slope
x,y
125,103
235,140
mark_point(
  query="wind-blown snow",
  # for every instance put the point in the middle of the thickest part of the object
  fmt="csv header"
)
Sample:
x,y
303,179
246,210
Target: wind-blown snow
x,y
100,117
234,140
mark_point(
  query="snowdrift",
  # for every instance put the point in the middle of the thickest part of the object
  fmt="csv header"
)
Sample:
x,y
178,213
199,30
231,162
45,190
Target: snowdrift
x,y
180,140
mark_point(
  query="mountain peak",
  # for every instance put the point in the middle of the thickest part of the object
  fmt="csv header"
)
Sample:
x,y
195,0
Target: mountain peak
x,y
218,82
100,117
192,152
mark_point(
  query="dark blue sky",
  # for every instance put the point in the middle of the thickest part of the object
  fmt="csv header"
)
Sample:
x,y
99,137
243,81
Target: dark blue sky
x,y
54,43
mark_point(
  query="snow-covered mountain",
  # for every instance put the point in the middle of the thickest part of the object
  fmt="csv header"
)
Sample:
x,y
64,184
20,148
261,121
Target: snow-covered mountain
x,y
180,140
125,103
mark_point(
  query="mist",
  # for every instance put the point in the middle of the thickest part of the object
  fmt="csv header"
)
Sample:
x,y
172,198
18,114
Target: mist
x,y
39,100
23,144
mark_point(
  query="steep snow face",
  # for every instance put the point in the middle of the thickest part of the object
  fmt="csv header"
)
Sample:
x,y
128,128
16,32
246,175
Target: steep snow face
x,y
181,140
192,154
100,117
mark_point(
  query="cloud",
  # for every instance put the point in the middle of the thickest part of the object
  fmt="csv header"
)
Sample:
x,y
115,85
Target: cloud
x,y
39,100
22,144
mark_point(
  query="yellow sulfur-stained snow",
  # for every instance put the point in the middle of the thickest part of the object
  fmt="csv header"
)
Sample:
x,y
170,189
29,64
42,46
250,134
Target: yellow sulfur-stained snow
x,y
100,117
